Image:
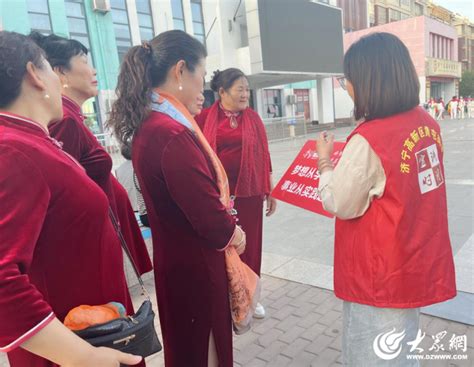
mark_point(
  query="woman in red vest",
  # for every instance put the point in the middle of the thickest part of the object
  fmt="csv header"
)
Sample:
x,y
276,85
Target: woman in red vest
x,y
238,136
58,248
392,248
79,83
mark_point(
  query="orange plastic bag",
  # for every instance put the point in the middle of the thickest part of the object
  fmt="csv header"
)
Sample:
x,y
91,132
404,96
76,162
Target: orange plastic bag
x,y
83,316
244,291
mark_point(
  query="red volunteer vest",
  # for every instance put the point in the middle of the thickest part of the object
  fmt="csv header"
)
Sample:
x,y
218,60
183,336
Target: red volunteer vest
x,y
398,254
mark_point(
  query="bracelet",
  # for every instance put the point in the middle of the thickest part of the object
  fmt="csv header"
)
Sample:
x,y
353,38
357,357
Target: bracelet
x,y
325,165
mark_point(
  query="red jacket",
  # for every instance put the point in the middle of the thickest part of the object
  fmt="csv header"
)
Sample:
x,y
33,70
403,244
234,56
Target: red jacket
x,y
398,254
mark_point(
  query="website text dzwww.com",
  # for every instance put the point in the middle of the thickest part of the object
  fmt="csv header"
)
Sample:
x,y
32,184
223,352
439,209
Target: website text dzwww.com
x,y
438,356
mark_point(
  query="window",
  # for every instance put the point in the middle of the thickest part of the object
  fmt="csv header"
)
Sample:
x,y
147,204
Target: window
x,y
145,20
405,3
272,103
38,14
178,14
441,47
198,21
380,15
418,9
76,20
372,20
394,15
123,36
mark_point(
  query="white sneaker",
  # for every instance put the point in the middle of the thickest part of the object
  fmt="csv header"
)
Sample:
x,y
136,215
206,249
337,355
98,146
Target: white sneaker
x,y
259,312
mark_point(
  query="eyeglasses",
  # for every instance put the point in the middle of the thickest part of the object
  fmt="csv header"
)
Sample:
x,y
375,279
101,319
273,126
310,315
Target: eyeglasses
x,y
342,82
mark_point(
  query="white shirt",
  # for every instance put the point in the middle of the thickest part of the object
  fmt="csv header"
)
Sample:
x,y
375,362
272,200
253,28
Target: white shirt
x,y
358,178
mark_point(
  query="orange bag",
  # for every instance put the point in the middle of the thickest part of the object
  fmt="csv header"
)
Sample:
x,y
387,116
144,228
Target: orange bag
x,y
83,316
244,291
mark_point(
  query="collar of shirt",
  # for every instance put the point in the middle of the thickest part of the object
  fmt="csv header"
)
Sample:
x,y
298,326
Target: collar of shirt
x,y
228,113
24,121
70,105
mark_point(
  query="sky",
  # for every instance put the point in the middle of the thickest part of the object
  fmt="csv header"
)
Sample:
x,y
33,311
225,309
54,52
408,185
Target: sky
x,y
464,7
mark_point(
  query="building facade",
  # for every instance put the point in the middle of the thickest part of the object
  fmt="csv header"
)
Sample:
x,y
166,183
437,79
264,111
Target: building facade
x,y
465,29
439,13
230,29
429,32
433,48
387,11
355,14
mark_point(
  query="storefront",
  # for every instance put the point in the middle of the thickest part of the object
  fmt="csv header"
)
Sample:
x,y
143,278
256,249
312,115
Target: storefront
x,y
302,103
442,78
272,106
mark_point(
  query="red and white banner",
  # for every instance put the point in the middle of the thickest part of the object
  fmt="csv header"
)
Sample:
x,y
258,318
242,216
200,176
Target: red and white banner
x,y
299,184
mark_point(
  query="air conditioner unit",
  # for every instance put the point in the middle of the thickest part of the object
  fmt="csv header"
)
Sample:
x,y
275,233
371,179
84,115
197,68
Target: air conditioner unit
x,y
102,6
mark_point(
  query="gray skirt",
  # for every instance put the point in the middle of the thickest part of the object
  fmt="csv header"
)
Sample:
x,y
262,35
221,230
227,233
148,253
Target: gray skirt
x,y
374,336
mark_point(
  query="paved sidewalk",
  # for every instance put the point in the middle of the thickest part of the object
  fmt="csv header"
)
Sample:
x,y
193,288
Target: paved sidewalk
x,y
303,324
303,329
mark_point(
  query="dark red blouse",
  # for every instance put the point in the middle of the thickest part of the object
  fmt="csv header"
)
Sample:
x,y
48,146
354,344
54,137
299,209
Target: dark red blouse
x,y
229,148
189,224
79,142
53,257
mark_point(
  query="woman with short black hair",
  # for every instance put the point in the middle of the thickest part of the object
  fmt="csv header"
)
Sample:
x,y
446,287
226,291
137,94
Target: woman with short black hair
x,y
392,248
69,59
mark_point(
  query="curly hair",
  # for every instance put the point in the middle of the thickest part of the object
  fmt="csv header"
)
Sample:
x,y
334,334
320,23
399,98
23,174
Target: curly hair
x,y
146,67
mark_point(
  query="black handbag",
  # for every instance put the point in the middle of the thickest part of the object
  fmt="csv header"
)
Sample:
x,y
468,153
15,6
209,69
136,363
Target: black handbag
x,y
135,334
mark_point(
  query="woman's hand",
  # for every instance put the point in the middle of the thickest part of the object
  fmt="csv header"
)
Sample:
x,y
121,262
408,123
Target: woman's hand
x,y
107,357
60,345
271,206
325,145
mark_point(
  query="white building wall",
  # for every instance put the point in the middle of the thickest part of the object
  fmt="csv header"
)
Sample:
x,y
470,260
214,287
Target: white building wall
x,y
449,90
188,17
344,104
258,96
209,9
313,103
325,101
423,97
224,46
162,15
287,109
133,22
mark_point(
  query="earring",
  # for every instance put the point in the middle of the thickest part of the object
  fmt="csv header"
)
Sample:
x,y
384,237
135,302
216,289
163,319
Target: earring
x,y
180,87
46,96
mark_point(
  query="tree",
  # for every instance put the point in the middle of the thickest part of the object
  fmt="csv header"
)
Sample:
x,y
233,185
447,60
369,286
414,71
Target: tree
x,y
466,86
